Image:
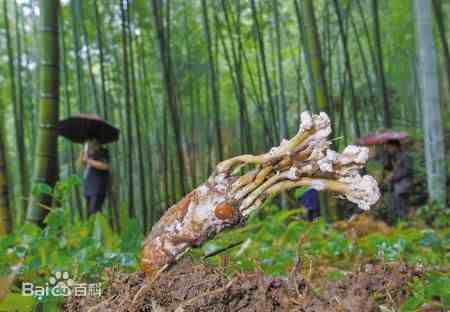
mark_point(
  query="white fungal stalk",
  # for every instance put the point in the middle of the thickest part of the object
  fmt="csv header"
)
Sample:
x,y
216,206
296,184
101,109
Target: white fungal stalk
x,y
225,200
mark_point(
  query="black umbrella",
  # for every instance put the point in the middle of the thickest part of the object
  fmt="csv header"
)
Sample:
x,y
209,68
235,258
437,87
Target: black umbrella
x,y
86,126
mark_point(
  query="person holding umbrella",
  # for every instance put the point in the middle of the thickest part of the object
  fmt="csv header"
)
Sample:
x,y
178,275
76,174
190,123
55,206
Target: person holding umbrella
x,y
398,162
93,132
95,158
400,179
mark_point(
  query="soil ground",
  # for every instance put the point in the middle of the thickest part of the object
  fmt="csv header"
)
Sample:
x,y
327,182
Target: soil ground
x,y
190,286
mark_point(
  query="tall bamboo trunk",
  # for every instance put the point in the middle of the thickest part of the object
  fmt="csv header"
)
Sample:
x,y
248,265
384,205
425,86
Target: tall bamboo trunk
x,y
65,77
302,42
98,20
163,35
213,81
29,87
147,100
46,168
5,208
257,98
348,67
429,94
138,129
284,128
23,168
265,71
95,104
380,66
313,57
318,84
75,10
124,7
366,70
17,102
235,64
437,8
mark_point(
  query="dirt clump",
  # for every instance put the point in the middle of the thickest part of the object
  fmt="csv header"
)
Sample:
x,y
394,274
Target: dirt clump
x,y
361,225
368,289
190,286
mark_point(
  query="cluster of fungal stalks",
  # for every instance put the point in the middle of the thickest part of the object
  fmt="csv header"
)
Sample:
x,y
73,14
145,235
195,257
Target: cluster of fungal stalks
x,y
225,199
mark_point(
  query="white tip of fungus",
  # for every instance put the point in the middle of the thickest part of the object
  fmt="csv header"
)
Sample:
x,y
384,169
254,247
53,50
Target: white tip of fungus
x,y
318,185
325,165
331,155
292,173
202,190
363,191
321,121
306,121
354,154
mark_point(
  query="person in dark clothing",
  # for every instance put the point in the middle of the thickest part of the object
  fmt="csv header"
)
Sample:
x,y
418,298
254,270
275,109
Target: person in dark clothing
x,y
400,179
95,158
310,200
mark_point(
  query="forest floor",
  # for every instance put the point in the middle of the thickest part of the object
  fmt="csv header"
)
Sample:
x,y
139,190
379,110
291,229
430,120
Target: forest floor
x,y
407,271
191,286
277,261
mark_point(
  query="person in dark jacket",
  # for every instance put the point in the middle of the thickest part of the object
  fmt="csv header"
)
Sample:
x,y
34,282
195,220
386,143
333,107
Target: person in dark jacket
x,y
96,160
310,200
400,179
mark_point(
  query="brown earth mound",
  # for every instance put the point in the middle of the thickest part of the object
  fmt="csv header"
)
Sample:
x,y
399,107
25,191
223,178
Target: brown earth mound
x,y
362,225
199,287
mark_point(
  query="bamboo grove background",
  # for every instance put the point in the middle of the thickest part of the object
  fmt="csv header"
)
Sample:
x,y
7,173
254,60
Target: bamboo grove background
x,y
192,82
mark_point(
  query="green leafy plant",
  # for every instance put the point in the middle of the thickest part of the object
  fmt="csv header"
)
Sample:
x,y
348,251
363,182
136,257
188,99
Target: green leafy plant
x,y
84,248
433,290
274,238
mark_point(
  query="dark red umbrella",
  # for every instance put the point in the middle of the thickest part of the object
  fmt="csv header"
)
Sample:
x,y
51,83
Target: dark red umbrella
x,y
382,137
82,127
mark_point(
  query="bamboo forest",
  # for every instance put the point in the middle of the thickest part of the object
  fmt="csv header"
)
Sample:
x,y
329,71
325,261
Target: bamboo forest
x,y
225,155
